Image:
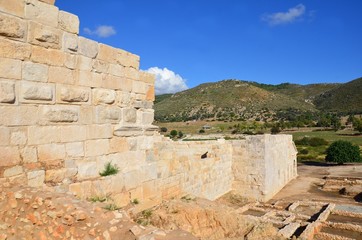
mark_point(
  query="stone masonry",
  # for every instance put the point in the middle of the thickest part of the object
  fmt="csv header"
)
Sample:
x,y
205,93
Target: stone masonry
x,y
69,105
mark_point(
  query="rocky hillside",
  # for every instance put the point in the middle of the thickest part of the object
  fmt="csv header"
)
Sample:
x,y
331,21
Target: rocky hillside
x,y
240,100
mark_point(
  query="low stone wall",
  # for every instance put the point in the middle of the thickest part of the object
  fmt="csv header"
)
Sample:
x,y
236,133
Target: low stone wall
x,y
262,165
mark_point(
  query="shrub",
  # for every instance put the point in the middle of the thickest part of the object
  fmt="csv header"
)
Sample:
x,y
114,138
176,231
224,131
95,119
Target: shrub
x,y
275,130
343,151
180,134
173,133
314,142
304,151
109,169
163,129
112,207
202,131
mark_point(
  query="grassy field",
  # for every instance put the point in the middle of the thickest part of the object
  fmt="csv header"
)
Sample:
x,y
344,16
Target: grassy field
x,y
330,136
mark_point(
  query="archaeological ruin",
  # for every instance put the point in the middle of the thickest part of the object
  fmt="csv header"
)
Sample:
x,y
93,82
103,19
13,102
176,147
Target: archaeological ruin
x,y
69,105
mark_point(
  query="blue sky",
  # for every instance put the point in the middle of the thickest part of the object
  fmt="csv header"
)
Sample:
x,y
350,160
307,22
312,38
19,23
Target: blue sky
x,y
189,42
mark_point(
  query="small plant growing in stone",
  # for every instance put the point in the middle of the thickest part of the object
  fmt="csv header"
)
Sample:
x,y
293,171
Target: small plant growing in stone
x,y
135,201
97,199
112,207
109,169
144,218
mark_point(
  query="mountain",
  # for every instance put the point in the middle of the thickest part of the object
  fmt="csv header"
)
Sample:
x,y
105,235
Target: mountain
x,y
228,99
345,98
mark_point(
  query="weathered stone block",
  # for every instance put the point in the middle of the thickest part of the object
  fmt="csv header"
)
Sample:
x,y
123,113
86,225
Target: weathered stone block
x,y
70,61
100,66
145,117
12,27
9,156
10,68
150,93
52,2
72,94
118,145
87,170
103,96
75,149
132,73
18,137
55,175
14,7
44,36
147,77
11,172
73,133
126,84
58,114
98,131
129,115
106,53
36,178
35,72
18,115
7,92
86,114
14,50
51,57
70,42
29,154
36,92
43,134
139,87
68,22
88,79
96,147
117,70
105,114
49,152
61,75
127,59
87,47
41,12
132,179
111,82
4,136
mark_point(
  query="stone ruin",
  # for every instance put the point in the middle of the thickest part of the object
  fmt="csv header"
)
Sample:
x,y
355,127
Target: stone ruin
x,y
69,105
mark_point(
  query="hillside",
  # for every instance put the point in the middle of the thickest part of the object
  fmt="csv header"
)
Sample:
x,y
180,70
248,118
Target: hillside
x,y
345,98
228,99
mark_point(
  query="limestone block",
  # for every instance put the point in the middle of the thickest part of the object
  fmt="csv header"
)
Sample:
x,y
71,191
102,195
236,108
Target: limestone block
x,y
123,98
18,115
68,22
55,175
58,114
88,79
49,152
111,82
100,66
84,63
87,47
7,92
70,61
81,190
18,137
98,131
73,133
29,154
150,93
9,156
132,179
96,147
129,115
116,69
52,2
149,172
139,87
118,145
87,170
61,75
51,57
147,77
44,36
150,189
127,59
70,42
140,97
35,72
15,50
14,7
86,114
103,96
36,178
10,68
132,73
4,136
145,117
107,114
41,12
36,92
11,172
142,104
106,53
126,84
12,27
75,149
72,94
43,134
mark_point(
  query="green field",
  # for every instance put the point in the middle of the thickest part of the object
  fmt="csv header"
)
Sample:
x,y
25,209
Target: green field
x,y
330,136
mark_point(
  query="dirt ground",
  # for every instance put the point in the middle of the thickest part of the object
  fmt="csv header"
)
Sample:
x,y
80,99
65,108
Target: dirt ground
x,y
311,177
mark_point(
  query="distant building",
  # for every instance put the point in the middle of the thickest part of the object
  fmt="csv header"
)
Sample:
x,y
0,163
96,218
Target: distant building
x,y
206,127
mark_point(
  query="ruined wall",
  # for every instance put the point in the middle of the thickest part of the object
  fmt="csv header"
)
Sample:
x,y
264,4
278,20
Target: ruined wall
x,y
69,105
262,165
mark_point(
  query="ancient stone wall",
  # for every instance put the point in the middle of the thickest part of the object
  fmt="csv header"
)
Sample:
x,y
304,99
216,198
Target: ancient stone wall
x,y
69,105
263,165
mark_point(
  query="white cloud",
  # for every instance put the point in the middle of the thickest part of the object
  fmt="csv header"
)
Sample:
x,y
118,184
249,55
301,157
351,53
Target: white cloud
x,y
102,31
167,81
289,16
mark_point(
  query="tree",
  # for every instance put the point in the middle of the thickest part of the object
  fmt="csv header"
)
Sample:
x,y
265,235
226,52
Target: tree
x,y
275,129
335,123
357,124
163,129
180,134
173,133
343,151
